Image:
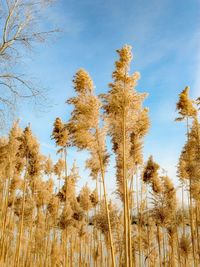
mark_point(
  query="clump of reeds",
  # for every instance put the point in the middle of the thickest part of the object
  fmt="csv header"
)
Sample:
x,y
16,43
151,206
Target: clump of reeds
x,y
46,219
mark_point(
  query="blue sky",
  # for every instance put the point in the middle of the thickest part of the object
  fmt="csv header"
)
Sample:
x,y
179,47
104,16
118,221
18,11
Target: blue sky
x,y
165,37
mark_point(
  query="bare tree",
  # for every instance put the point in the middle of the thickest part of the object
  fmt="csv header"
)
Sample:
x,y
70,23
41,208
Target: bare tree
x,y
20,29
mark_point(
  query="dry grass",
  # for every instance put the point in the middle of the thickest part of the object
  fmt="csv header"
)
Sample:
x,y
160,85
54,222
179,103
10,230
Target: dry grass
x,y
47,223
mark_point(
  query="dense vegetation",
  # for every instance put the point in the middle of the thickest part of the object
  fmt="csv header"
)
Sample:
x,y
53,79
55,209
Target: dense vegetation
x,y
48,223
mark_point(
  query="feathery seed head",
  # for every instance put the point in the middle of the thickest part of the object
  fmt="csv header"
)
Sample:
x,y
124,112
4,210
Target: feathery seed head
x,y
82,82
60,133
185,105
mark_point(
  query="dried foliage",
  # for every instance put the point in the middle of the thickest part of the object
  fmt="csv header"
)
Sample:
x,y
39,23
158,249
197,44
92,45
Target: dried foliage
x,y
45,222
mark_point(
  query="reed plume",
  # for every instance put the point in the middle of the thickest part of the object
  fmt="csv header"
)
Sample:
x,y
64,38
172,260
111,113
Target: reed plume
x,y
123,110
85,132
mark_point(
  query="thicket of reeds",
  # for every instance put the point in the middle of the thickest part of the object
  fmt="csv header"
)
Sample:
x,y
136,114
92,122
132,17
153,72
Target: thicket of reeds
x,y
46,221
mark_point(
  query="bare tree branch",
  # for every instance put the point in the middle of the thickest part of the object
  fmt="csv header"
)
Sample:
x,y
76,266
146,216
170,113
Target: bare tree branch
x,y
20,28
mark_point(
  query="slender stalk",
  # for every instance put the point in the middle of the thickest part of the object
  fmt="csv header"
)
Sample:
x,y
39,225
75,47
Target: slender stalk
x,y
21,225
125,191
105,200
191,203
177,245
5,218
159,245
197,230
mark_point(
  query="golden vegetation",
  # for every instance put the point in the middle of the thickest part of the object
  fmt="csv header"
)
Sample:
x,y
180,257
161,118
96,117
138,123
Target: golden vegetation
x,y
44,222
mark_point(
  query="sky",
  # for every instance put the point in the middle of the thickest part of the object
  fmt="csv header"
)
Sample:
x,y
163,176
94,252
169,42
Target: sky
x,y
165,37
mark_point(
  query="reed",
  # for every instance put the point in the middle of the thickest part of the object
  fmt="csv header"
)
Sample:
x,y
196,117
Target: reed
x,y
46,219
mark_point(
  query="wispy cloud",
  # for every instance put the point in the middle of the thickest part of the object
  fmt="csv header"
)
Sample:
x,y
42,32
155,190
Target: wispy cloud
x,y
197,74
64,19
48,146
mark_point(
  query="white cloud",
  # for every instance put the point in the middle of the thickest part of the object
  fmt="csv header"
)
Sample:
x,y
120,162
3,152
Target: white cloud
x,y
196,91
48,146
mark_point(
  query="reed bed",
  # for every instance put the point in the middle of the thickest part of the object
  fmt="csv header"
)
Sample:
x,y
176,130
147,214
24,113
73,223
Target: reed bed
x,y
46,221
